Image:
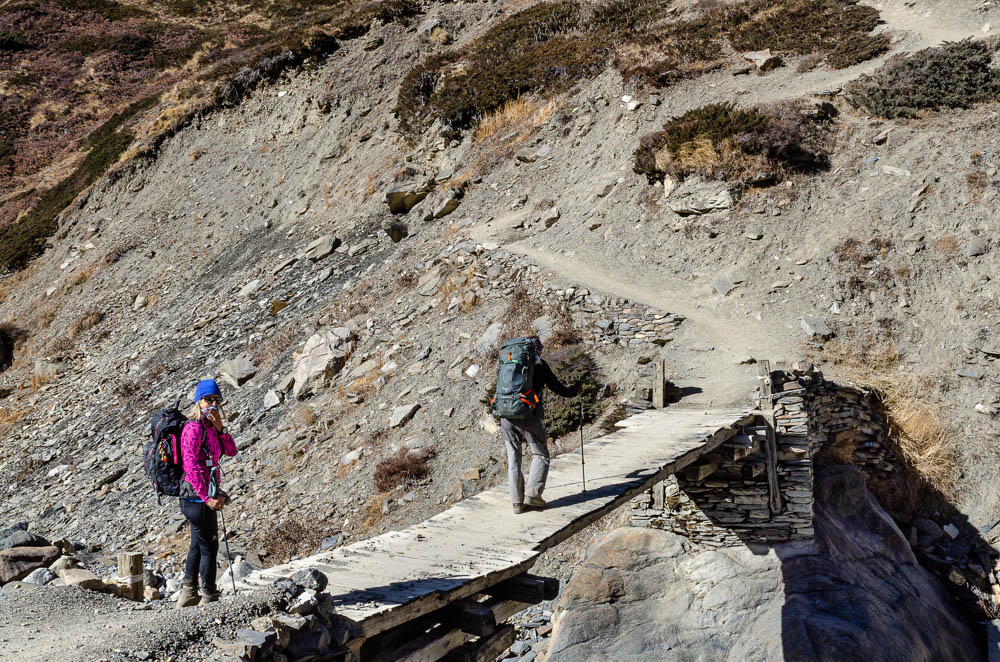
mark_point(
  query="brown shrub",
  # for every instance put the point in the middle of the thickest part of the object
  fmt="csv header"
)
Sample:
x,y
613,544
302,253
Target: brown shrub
x,y
295,536
86,322
918,433
80,277
401,469
946,245
267,350
752,145
523,309
13,334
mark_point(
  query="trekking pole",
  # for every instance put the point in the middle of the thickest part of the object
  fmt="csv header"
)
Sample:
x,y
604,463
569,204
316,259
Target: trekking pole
x,y
225,536
583,464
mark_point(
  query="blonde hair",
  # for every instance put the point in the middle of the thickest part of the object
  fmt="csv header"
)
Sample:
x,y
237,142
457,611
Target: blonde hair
x,y
194,413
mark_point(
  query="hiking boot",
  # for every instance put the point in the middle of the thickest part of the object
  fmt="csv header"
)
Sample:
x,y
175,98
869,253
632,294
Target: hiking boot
x,y
208,596
188,597
534,502
518,508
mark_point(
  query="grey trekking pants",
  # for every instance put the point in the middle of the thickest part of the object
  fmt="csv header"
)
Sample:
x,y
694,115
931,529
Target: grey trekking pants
x,y
533,430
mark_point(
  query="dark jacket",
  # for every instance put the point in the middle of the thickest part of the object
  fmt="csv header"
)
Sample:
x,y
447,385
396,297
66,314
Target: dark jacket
x,y
545,377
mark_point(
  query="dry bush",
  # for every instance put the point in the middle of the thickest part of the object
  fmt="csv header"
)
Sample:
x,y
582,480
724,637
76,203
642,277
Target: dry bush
x,y
977,181
403,468
267,350
46,316
751,145
117,253
86,322
918,432
809,62
616,413
458,284
303,417
371,515
195,154
858,252
523,309
946,245
953,75
296,536
80,277
522,115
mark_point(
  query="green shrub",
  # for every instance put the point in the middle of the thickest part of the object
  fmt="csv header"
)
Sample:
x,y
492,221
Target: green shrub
x,y
547,48
6,152
721,141
954,75
12,42
534,50
838,28
25,238
109,9
571,365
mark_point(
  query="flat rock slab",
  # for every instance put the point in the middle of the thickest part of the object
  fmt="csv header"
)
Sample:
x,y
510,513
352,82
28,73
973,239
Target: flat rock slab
x,y
17,563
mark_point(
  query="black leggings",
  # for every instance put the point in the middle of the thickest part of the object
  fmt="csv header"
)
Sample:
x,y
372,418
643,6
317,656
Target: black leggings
x,y
204,544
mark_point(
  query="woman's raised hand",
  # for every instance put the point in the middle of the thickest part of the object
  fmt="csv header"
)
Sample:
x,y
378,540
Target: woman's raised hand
x,y
214,417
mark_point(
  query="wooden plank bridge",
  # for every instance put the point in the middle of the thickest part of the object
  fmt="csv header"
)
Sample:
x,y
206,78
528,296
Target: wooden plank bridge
x,y
445,586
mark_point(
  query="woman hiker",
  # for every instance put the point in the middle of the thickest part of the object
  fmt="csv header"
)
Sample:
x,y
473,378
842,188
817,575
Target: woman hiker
x,y
203,442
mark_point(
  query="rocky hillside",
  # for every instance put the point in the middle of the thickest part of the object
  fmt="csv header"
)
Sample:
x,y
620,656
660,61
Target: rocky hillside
x,y
632,196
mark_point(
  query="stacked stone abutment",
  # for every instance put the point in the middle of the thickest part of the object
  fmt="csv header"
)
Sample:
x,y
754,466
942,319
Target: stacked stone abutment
x,y
726,497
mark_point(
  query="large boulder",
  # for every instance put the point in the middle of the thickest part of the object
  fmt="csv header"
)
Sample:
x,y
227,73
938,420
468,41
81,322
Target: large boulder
x,y
322,357
22,539
854,593
238,371
17,563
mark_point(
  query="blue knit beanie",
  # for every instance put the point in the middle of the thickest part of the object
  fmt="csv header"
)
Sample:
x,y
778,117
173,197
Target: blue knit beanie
x,y
206,387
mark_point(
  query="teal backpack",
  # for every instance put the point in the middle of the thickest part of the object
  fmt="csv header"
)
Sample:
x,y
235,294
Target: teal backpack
x,y
514,397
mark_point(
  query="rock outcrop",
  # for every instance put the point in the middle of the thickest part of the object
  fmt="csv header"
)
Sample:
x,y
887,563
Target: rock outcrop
x,y
856,592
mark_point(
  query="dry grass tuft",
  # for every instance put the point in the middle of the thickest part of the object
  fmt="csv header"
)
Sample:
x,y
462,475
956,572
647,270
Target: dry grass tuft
x,y
401,469
522,116
80,277
303,417
946,245
919,433
294,537
267,350
86,322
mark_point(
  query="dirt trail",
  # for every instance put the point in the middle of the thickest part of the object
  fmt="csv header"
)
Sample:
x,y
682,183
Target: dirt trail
x,y
709,344
932,23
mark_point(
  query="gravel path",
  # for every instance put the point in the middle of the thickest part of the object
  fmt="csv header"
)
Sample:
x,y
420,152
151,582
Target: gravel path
x,y
71,624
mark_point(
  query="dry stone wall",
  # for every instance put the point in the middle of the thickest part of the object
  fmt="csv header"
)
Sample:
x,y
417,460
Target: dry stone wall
x,y
725,498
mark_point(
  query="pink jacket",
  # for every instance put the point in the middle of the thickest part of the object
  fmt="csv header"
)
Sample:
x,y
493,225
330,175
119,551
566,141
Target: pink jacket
x,y
198,473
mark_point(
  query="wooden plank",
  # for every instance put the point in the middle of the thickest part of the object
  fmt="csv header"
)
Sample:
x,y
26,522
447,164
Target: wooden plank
x,y
130,575
526,588
430,646
659,383
397,577
770,443
484,649
483,618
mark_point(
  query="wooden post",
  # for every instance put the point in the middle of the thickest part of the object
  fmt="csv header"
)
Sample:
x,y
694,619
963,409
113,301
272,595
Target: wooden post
x,y
130,575
771,444
659,384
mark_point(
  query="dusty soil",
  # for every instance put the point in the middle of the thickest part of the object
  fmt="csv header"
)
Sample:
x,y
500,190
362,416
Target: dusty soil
x,y
230,197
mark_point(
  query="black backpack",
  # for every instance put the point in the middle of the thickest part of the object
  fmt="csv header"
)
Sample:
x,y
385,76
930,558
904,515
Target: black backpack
x,y
164,465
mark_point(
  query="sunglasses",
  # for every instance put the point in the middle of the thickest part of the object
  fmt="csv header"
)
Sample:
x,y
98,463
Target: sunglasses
x,y
213,399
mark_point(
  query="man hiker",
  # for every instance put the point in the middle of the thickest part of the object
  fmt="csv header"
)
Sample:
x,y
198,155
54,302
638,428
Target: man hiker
x,y
518,425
